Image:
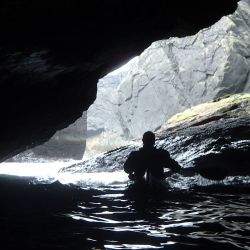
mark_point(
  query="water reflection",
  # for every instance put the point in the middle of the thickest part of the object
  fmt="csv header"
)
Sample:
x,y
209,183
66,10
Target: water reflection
x,y
187,221
103,214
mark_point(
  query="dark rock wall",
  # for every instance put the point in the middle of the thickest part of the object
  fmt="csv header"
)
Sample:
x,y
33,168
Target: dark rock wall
x,y
65,145
52,54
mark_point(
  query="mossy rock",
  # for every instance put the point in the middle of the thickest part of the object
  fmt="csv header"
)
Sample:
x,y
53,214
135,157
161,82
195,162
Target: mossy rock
x,y
224,107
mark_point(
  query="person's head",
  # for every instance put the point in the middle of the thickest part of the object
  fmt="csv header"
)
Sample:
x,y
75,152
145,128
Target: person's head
x,y
148,139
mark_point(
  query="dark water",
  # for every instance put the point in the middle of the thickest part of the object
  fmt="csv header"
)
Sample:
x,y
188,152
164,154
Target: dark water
x,y
56,216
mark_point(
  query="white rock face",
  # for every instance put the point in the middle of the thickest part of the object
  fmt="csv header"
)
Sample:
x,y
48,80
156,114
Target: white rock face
x,y
175,74
104,129
103,114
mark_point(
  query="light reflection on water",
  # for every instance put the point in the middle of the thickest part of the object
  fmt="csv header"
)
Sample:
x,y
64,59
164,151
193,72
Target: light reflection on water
x,y
50,172
182,219
108,215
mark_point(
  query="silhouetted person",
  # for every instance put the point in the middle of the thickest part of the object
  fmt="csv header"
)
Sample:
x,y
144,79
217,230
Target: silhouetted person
x,y
149,160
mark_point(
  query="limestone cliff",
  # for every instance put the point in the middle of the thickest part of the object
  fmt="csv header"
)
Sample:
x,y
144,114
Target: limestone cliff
x,y
175,74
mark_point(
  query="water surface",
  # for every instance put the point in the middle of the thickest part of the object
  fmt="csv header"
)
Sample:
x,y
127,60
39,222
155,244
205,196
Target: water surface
x,y
99,211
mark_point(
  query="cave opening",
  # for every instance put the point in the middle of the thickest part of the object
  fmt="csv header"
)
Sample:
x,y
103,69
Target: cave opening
x,y
83,139
185,71
68,125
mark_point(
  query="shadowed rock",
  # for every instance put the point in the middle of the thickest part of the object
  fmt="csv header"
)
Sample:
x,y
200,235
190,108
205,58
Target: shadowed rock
x,y
206,138
66,144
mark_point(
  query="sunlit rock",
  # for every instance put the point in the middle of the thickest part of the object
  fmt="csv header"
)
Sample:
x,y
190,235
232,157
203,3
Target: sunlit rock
x,y
103,124
102,115
175,74
212,135
230,106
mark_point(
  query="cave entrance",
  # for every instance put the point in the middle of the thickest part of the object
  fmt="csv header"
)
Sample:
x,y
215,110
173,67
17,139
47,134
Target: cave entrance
x,y
96,129
105,125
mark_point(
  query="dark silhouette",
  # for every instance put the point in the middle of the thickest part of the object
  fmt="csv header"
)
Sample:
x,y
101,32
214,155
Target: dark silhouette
x,y
150,161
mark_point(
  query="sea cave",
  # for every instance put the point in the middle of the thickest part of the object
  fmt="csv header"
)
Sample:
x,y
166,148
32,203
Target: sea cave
x,y
82,81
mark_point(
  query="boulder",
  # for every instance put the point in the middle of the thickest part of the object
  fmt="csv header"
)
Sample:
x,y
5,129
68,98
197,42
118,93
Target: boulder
x,y
213,135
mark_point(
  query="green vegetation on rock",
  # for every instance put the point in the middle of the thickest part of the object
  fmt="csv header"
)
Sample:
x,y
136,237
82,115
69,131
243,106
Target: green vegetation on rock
x,y
223,107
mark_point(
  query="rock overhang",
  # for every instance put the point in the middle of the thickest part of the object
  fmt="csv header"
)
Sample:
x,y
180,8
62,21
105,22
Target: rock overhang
x,y
53,53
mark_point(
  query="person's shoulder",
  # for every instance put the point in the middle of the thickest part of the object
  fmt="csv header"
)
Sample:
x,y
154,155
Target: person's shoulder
x,y
134,153
162,152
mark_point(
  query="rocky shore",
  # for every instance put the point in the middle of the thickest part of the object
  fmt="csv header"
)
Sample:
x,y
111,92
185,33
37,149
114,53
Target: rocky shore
x,y
213,135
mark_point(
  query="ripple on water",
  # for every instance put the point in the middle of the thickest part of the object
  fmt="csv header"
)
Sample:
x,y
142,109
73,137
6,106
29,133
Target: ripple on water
x,y
96,215
184,220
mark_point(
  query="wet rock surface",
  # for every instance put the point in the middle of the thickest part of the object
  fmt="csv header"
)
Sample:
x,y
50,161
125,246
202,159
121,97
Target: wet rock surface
x,y
217,139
